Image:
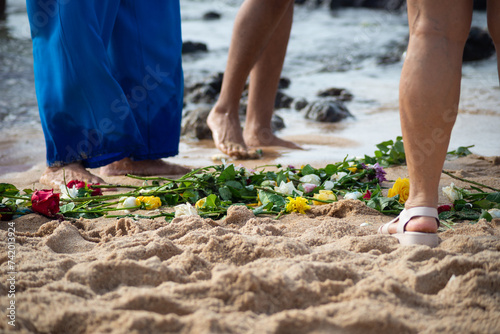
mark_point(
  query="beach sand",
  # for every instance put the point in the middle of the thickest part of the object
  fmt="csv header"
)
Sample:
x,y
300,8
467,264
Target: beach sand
x,y
321,272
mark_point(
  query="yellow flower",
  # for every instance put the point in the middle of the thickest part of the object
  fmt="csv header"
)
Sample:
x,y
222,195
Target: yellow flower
x,y
200,203
150,202
353,169
298,204
324,195
402,188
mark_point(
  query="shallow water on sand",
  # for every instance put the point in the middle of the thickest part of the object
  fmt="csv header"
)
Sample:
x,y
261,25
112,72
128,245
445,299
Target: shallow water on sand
x,y
326,50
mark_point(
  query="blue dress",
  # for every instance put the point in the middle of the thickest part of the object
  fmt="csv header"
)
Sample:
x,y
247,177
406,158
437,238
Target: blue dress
x,y
108,78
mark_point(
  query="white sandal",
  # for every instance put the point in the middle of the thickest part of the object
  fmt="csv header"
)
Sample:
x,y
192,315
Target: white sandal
x,y
412,238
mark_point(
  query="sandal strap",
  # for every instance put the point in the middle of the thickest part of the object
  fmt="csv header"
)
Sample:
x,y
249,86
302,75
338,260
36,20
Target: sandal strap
x,y
421,211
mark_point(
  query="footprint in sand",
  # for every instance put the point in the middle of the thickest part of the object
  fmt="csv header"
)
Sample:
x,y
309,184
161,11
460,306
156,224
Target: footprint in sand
x,y
67,239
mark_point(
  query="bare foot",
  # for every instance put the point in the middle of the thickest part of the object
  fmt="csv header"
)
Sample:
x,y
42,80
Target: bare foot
x,y
418,224
227,134
143,168
54,176
265,137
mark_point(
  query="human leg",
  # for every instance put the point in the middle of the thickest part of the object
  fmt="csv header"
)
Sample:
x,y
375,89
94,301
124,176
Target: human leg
x,y
255,24
264,81
429,96
145,56
494,27
74,86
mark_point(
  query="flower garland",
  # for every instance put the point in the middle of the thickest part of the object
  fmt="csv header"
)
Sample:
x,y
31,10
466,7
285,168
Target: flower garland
x,y
210,191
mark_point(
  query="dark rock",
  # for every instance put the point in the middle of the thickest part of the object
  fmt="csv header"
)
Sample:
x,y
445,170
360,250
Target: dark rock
x,y
277,123
208,16
284,83
376,4
192,47
341,94
480,4
206,91
395,51
327,111
2,9
194,124
282,100
299,104
479,45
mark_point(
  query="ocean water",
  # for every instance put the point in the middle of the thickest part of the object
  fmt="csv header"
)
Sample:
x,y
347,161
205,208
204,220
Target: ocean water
x,y
327,49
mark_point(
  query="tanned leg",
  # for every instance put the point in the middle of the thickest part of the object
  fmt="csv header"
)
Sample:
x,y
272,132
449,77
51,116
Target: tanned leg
x,y
255,24
429,96
264,81
494,26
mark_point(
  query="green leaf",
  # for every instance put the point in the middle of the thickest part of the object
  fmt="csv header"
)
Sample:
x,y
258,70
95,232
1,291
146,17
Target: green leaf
x,y
8,189
266,198
258,210
190,196
225,193
330,169
170,199
281,177
234,184
461,151
493,197
446,215
227,174
28,191
486,215
91,215
67,207
82,192
212,202
308,170
484,204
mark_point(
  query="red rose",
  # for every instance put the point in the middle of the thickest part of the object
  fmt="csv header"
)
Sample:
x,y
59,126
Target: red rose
x,y
45,202
95,191
444,208
78,184
367,195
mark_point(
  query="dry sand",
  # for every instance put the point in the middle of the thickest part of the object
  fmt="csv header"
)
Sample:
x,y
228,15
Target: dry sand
x,y
316,273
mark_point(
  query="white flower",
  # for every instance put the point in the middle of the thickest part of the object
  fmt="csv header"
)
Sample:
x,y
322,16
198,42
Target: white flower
x,y
129,202
185,210
353,195
328,185
287,189
338,176
311,178
308,187
68,193
20,202
495,213
452,192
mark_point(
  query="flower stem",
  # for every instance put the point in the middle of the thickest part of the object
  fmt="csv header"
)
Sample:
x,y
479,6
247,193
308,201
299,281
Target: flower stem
x,y
16,197
471,182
